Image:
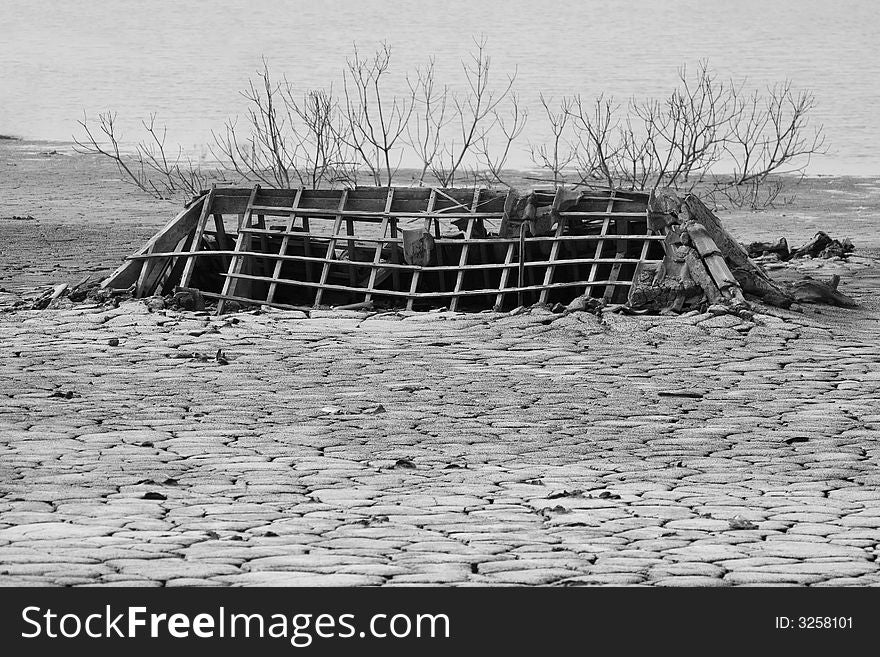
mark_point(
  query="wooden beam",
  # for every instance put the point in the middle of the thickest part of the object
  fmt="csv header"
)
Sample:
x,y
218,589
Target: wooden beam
x,y
602,234
414,283
197,238
459,280
282,250
242,243
377,256
331,248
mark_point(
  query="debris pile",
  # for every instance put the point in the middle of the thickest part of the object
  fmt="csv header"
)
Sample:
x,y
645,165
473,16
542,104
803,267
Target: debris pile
x,y
821,246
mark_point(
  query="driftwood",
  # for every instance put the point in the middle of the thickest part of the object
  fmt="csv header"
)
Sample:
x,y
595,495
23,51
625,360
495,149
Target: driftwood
x,y
778,248
809,290
670,285
671,213
824,246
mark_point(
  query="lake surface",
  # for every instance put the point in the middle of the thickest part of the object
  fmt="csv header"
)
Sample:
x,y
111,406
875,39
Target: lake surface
x,y
188,60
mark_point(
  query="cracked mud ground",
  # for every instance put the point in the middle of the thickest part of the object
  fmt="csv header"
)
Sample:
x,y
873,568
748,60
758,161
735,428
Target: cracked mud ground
x,y
438,448
510,450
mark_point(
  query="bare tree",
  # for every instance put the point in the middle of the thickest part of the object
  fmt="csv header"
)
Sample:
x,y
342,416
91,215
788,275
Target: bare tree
x,y
594,127
681,141
287,140
772,134
490,160
374,119
559,154
430,117
474,115
148,166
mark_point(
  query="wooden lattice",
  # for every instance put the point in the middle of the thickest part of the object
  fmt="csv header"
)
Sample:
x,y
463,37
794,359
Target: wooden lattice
x,y
302,248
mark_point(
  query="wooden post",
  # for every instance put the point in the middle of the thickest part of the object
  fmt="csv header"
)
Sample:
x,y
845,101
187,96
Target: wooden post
x,y
508,258
600,244
621,228
242,243
331,248
414,284
554,250
459,280
270,297
377,256
197,238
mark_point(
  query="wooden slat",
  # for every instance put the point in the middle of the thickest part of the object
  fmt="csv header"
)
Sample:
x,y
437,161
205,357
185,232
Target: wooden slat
x,y
242,243
508,258
378,214
554,252
377,256
459,280
399,266
601,243
621,227
282,250
424,295
197,238
486,240
331,247
414,283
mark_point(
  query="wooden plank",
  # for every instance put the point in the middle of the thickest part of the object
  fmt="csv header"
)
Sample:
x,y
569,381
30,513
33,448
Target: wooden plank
x,y
197,238
424,295
242,243
349,231
459,280
282,250
307,245
554,252
508,258
331,248
377,256
147,267
486,240
220,235
376,215
621,227
414,283
402,266
396,243
601,243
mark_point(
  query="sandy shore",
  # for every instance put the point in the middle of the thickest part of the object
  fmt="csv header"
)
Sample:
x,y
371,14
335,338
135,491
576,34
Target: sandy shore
x,y
435,448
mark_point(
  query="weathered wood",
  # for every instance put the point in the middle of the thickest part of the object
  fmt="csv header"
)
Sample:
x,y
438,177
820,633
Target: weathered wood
x,y
377,256
667,209
453,305
809,290
242,243
414,281
331,248
282,250
197,238
424,295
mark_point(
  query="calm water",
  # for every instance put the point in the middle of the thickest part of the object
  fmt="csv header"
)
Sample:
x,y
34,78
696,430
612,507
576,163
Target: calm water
x,y
187,60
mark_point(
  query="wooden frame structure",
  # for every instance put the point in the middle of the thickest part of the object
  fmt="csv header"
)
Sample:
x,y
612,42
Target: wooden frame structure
x,y
302,248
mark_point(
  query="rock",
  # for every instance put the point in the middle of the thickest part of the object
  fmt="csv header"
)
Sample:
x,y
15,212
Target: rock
x,y
154,303
738,522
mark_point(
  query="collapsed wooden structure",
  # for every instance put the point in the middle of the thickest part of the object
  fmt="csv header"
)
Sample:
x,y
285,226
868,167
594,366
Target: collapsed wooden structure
x,y
458,248
417,247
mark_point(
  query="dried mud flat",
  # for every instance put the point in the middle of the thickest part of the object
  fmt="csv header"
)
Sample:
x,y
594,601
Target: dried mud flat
x,y
351,448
